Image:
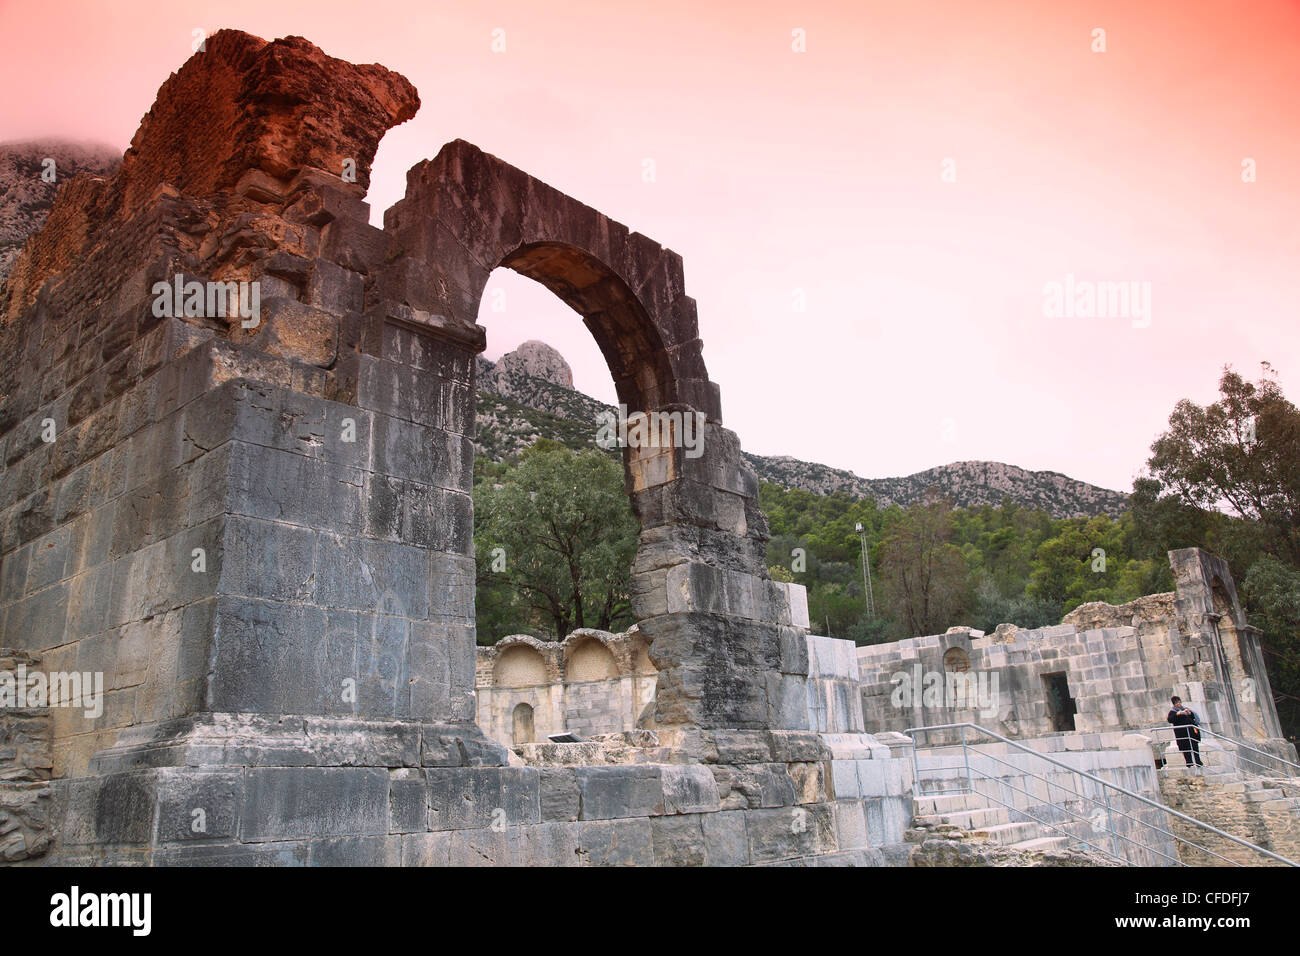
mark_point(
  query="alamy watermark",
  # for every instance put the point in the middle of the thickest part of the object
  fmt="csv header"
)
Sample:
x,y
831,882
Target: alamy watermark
x,y
1085,299
23,688
651,430
74,909
211,300
957,690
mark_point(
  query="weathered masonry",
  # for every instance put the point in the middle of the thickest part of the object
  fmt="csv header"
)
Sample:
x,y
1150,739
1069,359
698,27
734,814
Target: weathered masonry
x,y
1103,669
261,535
590,683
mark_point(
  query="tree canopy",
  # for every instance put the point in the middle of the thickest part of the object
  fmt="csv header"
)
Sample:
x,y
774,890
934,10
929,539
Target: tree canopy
x,y
554,542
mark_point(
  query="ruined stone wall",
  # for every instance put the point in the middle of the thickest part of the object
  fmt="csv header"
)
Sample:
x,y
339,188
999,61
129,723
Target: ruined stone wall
x,y
260,532
1274,829
541,674
1109,677
1122,664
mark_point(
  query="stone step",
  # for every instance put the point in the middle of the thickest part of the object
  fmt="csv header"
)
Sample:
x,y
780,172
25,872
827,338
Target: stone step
x,y
975,819
1007,833
946,802
1043,843
1262,796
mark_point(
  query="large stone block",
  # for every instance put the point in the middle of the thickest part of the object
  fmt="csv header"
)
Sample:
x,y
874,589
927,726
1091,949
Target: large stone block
x,y
678,841
790,833
461,798
688,789
312,802
620,791
616,842
725,839
560,797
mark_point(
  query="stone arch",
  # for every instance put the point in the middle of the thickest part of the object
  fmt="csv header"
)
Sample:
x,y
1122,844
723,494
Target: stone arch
x,y
465,213
588,659
722,635
519,666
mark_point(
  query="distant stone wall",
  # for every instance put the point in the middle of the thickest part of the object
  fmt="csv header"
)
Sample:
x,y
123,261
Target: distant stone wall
x,y
592,682
1110,668
907,683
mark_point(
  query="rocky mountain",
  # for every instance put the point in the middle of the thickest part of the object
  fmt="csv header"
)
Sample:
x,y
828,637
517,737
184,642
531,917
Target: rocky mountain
x,y
968,483
528,394
26,195
516,406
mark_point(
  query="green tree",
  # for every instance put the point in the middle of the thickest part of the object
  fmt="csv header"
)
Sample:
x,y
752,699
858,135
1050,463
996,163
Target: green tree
x,y
1241,452
554,543
1272,589
924,575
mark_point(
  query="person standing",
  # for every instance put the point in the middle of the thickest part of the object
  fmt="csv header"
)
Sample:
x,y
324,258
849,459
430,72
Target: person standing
x,y
1187,731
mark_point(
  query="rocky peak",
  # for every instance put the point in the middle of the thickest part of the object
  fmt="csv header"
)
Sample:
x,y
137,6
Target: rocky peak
x,y
538,360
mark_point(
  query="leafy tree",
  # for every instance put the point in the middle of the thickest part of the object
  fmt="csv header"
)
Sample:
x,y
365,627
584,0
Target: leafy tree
x,y
1272,590
567,538
1242,452
925,577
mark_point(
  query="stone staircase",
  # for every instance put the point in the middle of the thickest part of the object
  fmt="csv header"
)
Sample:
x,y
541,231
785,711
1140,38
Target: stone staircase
x,y
966,816
1272,793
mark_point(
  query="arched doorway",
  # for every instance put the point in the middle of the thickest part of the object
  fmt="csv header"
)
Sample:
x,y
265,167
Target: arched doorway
x,y
728,653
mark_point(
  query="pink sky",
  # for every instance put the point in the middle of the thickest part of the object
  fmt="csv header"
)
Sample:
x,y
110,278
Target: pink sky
x,y
924,339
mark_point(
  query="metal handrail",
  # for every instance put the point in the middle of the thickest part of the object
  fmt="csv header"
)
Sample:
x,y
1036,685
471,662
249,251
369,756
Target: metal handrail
x,y
1084,797
1240,745
1089,843
912,731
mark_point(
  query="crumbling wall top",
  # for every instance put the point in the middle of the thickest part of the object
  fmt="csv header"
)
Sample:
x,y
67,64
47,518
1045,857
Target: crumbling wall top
x,y
240,104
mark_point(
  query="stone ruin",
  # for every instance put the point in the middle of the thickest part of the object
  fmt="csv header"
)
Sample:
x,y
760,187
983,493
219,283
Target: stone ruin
x,y
1103,669
259,532
253,532
592,682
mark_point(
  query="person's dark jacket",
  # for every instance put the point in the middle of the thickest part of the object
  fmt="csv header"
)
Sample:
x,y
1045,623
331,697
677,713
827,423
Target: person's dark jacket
x,y
1181,720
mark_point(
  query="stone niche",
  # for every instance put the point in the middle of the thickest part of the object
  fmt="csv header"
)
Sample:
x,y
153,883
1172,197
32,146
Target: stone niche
x,y
592,682
260,533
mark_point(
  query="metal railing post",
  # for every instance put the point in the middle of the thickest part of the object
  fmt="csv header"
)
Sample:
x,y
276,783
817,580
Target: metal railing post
x,y
970,786
1110,821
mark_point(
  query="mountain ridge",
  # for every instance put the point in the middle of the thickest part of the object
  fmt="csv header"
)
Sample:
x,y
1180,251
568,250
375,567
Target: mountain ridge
x,y
516,408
